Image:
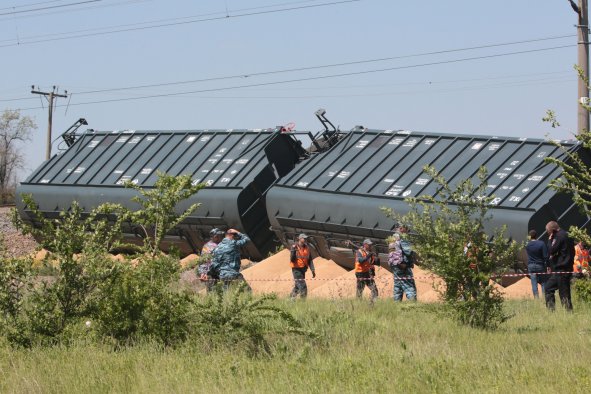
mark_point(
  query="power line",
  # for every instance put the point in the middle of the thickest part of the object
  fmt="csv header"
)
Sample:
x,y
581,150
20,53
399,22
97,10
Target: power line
x,y
411,83
343,64
537,82
156,20
70,10
161,25
30,4
50,7
315,78
308,68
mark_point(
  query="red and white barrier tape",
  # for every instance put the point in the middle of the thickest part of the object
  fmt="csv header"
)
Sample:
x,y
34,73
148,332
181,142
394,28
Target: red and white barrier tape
x,y
432,277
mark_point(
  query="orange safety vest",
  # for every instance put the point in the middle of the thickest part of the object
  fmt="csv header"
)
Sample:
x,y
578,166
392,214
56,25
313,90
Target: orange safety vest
x,y
302,257
367,265
581,259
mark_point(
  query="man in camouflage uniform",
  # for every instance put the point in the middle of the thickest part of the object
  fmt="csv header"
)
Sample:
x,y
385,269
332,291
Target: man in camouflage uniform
x,y
401,263
226,258
216,236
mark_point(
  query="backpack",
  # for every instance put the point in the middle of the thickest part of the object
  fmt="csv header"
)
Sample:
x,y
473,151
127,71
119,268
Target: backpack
x,y
409,257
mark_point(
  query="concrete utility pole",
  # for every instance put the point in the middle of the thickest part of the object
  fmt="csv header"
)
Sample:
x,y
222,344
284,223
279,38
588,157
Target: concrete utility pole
x,y
51,97
582,11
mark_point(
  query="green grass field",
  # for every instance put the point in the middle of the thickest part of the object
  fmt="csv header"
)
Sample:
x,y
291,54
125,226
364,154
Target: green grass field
x,y
386,348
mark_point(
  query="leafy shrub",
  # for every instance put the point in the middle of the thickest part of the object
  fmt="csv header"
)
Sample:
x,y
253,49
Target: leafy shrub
x,y
15,282
88,294
142,301
236,316
447,233
484,310
582,290
74,231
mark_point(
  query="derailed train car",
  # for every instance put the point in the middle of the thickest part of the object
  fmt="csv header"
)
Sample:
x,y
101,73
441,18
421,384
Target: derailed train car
x,y
264,183
238,167
336,196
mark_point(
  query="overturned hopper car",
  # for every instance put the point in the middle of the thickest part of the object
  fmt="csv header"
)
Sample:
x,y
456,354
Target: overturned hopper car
x,y
238,167
336,196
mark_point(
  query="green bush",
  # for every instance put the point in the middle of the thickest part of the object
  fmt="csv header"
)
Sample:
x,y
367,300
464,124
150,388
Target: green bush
x,y
233,317
80,293
142,301
38,309
15,283
447,233
484,310
582,290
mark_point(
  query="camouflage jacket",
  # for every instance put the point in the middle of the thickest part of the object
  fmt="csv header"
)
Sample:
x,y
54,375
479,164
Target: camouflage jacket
x,y
225,262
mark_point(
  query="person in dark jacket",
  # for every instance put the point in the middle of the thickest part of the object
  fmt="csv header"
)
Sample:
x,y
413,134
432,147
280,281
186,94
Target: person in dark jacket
x,y
561,251
537,258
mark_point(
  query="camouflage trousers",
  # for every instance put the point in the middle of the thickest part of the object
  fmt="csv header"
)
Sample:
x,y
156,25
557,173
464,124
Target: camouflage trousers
x,y
366,279
299,287
404,284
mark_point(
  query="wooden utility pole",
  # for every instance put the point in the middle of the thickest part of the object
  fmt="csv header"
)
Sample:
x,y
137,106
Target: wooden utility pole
x,y
51,97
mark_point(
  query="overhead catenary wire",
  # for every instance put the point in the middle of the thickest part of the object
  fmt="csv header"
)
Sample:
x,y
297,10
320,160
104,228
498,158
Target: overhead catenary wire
x,y
308,68
161,25
321,77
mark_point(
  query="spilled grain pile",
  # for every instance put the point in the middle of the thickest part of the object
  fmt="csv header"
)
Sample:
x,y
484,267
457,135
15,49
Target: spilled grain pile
x,y
273,275
344,286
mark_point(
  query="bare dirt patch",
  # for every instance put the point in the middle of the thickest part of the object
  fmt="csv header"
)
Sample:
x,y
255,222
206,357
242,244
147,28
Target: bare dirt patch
x,y
17,244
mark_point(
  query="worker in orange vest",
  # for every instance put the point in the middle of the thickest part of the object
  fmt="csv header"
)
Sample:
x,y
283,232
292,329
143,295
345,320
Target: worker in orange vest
x,y
581,259
300,260
365,261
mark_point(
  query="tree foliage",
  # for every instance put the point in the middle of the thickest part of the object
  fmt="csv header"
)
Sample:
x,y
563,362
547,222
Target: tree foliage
x,y
14,130
158,214
74,230
447,231
575,179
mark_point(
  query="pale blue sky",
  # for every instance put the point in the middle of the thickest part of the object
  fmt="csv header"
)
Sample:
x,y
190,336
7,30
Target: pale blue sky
x,y
504,95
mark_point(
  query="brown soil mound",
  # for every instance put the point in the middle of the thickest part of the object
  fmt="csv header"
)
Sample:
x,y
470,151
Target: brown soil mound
x,y
273,275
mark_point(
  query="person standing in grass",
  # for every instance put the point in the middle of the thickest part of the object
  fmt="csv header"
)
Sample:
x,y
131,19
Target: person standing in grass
x,y
537,259
300,260
206,258
581,259
402,265
365,261
226,258
561,250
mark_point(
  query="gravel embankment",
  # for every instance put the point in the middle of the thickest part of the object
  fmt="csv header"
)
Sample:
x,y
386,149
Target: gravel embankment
x,y
16,244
